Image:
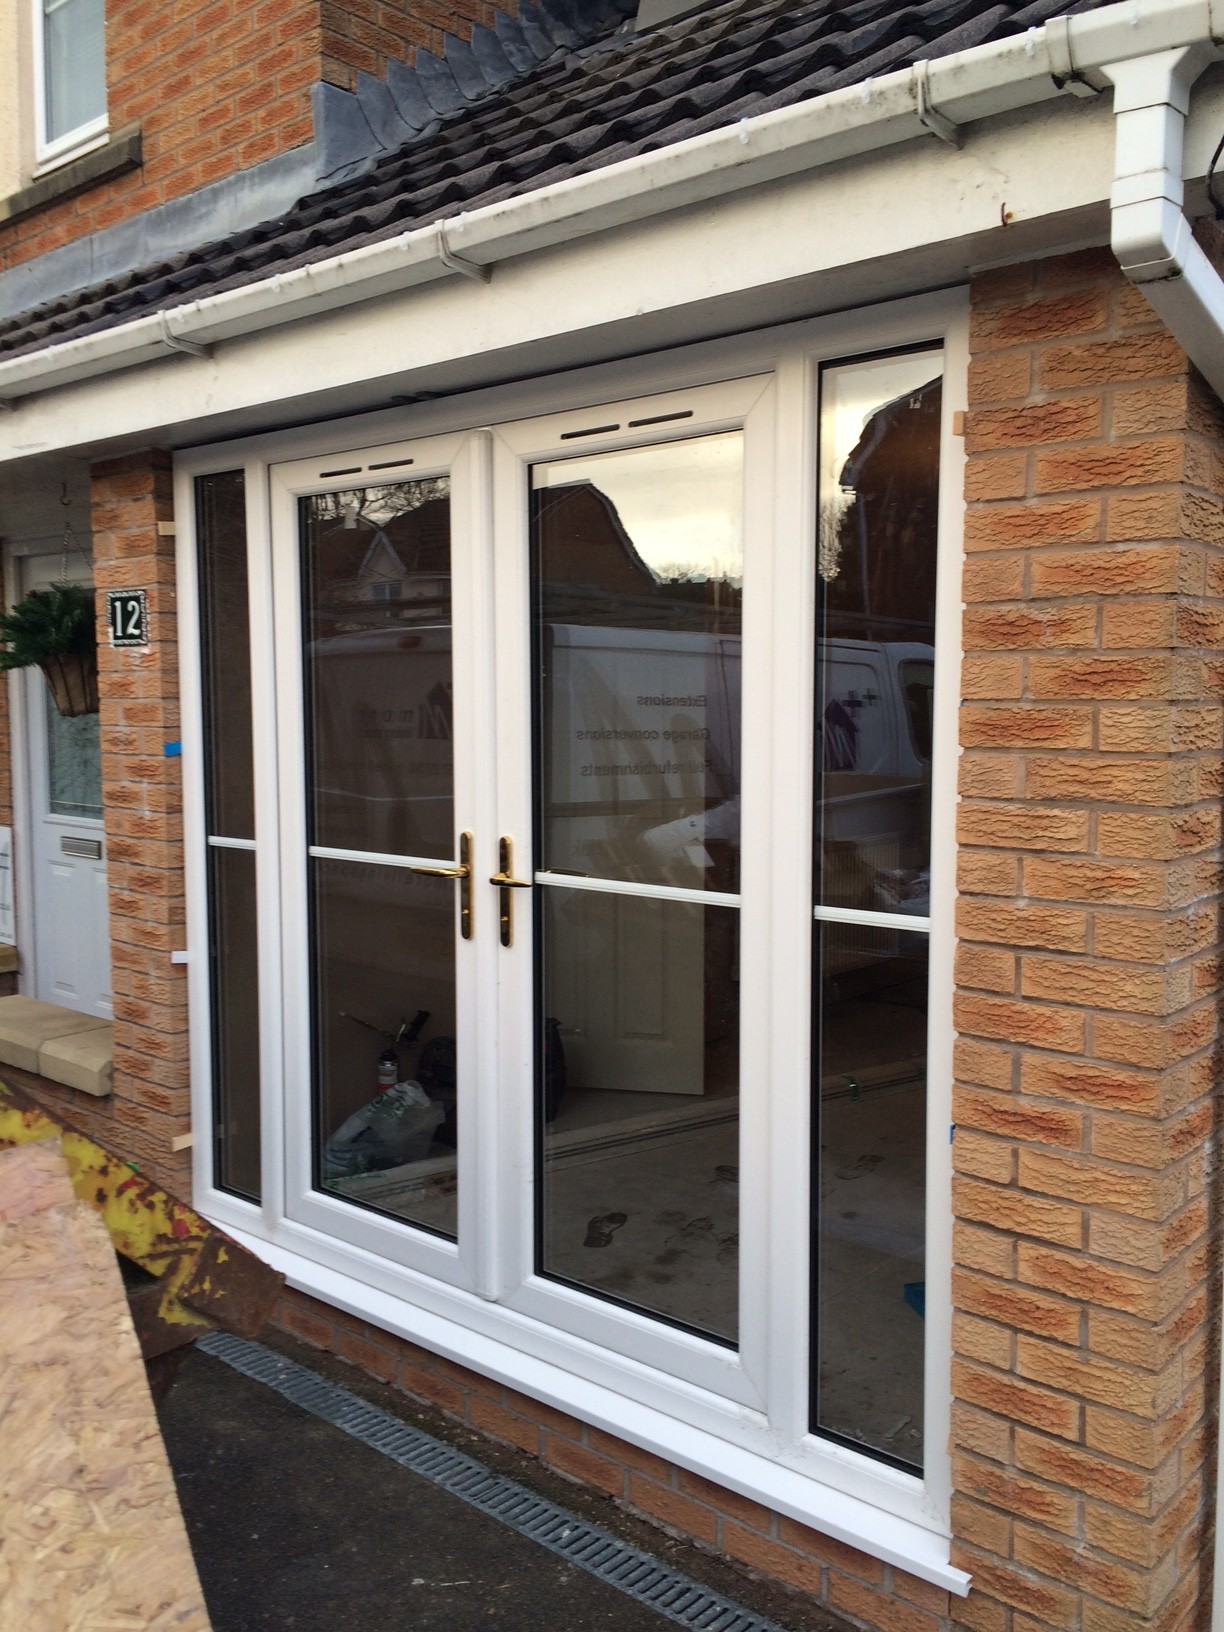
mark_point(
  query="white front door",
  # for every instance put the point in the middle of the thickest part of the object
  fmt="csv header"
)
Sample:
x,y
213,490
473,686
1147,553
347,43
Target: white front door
x,y
71,933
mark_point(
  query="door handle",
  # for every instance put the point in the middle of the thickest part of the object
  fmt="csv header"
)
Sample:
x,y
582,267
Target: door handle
x,y
505,881
463,872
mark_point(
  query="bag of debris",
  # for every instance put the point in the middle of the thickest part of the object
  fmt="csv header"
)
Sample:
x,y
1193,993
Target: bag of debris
x,y
396,1127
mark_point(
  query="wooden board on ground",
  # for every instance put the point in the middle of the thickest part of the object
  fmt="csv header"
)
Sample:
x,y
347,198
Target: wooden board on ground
x,y
92,1536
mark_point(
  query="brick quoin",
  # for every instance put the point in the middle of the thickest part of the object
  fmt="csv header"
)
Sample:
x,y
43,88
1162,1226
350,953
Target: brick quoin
x,y
217,86
1088,983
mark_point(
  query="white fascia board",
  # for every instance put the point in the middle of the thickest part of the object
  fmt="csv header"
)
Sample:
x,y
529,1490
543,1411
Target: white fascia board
x,y
910,1546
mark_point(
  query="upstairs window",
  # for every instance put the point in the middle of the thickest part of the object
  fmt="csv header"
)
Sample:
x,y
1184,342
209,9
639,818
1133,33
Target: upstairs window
x,y
70,74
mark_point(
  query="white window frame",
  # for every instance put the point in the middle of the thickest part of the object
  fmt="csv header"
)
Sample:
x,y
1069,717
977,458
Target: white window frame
x,y
763,1450
73,144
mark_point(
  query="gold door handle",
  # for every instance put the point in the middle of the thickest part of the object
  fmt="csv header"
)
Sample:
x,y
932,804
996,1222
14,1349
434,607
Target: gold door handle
x,y
505,881
464,874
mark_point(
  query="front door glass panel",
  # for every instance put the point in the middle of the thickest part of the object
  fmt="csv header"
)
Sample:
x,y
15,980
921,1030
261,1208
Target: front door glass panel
x,y
637,560
380,773
875,664
74,763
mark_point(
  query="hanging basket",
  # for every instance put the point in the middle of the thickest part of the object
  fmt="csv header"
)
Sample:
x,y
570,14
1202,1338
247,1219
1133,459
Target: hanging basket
x,y
73,679
54,630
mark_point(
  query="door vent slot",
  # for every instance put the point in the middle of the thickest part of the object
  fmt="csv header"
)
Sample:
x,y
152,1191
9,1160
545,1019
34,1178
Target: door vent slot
x,y
353,470
87,849
593,430
639,1575
659,419
391,464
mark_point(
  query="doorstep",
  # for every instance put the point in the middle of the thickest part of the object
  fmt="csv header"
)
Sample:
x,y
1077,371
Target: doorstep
x,y
60,1044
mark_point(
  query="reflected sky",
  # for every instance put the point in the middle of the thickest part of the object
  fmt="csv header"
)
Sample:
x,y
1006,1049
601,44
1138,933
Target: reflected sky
x,y
682,503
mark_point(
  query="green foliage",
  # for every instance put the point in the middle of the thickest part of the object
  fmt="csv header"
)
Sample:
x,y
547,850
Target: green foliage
x,y
48,623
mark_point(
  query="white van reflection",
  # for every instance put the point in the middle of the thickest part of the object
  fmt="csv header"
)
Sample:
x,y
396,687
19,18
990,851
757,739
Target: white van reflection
x,y
875,731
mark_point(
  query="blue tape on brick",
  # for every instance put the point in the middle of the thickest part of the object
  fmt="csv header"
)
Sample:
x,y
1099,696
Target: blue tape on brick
x,y
173,750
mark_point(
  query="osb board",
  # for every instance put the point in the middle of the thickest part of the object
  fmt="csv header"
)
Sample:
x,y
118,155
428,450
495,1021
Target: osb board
x,y
91,1536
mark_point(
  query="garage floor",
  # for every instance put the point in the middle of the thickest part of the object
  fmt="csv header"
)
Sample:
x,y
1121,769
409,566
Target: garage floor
x,y
297,1527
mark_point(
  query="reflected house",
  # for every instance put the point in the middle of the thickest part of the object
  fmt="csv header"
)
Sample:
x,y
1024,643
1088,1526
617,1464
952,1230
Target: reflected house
x,y
397,563
600,576
879,609
889,594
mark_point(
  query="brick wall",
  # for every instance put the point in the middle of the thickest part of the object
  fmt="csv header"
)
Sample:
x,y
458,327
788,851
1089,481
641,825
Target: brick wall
x,y
217,86
365,35
1088,974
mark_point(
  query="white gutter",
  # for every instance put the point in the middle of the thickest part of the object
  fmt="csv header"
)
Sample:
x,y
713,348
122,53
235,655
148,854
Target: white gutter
x,y
1067,55
1151,236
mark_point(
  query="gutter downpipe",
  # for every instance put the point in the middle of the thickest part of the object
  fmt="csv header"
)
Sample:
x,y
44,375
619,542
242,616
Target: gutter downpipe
x,y
1150,234
1156,249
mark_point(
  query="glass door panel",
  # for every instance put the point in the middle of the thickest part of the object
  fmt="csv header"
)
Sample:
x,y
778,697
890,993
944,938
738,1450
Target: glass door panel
x,y
637,569
875,664
380,793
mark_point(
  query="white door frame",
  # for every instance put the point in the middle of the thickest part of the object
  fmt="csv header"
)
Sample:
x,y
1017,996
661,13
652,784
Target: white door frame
x,y
697,1419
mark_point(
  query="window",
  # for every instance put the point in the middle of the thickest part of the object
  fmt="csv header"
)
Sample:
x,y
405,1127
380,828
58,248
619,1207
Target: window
x,y
230,804
70,75
876,594
609,863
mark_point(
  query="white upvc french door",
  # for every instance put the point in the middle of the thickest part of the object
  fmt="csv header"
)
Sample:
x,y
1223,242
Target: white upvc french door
x,y
363,632
603,807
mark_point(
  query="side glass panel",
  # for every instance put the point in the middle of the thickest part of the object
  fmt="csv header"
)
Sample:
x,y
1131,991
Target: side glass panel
x,y
879,492
230,819
637,574
379,771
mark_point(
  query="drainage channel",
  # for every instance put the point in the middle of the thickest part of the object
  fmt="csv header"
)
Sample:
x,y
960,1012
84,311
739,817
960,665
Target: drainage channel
x,y
584,1545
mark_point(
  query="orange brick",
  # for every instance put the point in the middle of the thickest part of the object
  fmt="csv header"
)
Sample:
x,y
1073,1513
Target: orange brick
x,y
1018,1307
1017,1213
1012,1492
1014,1118
783,1563
671,1508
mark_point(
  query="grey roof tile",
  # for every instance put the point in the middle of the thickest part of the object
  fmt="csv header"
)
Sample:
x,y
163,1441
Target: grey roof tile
x,y
561,90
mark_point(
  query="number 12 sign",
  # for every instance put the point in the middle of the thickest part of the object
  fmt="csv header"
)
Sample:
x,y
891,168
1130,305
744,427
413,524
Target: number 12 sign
x,y
127,612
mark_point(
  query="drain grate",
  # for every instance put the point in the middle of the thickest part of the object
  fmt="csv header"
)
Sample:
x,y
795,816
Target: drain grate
x,y
584,1545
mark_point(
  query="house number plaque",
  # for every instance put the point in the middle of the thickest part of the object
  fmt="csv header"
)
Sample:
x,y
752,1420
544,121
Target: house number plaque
x,y
127,612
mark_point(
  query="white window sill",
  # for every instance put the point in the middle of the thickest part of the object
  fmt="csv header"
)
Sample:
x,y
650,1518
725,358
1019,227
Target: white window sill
x,y
74,146
895,1540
